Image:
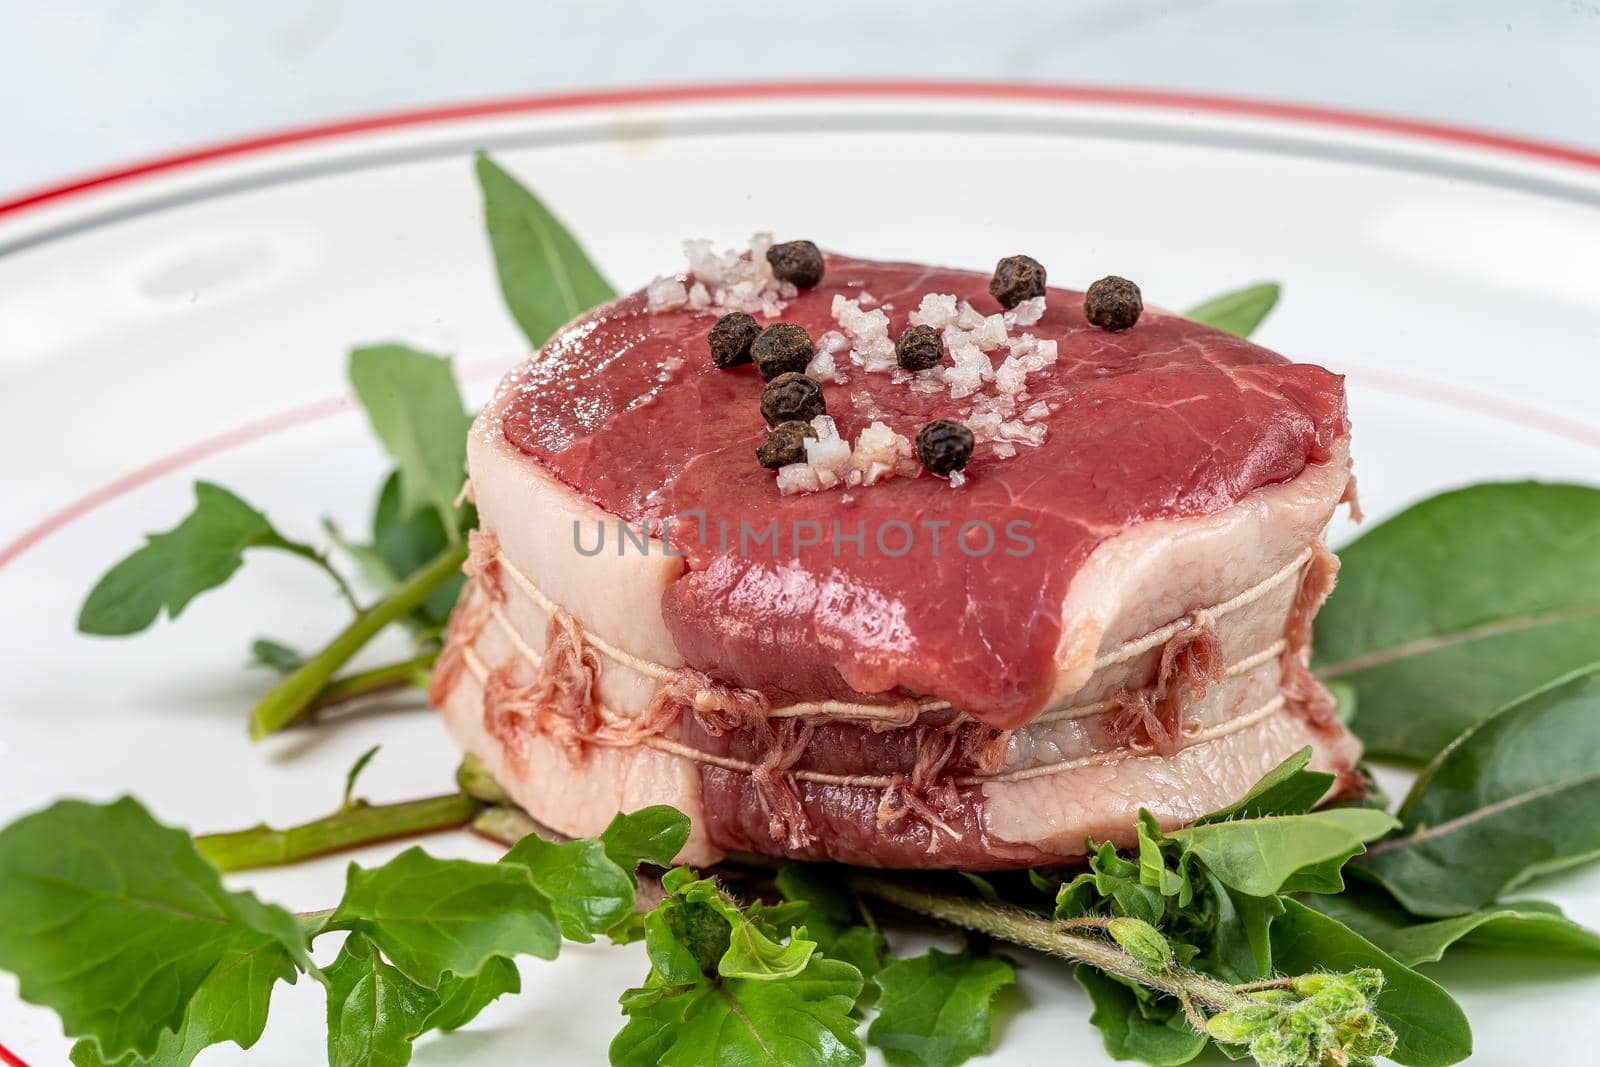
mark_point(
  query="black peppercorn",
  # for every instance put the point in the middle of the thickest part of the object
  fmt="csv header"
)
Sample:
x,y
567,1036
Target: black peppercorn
x,y
781,348
919,348
1017,278
730,339
944,445
1113,303
792,397
799,262
786,444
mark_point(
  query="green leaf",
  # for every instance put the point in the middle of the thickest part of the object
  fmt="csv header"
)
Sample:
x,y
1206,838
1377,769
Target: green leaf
x,y
650,835
1240,932
355,772
274,655
589,892
200,553
1530,927
829,914
1460,604
403,544
1512,798
1127,1033
1239,312
374,1011
117,923
1288,789
415,408
803,1021
1284,853
545,276
936,1010
229,1005
752,954
432,916
461,999
1431,1027
1110,876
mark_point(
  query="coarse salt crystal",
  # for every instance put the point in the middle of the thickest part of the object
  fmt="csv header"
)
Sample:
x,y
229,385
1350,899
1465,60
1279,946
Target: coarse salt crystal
x,y
1026,313
937,310
666,292
1039,410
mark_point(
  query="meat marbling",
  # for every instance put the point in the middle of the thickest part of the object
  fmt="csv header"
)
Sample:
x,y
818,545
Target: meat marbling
x,y
805,704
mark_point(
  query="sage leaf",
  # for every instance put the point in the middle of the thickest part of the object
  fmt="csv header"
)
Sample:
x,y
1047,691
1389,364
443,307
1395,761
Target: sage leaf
x,y
374,1011
1284,853
1430,1025
1523,927
200,553
1238,312
1128,1034
415,408
116,923
1512,798
461,999
545,275
1460,604
431,916
936,1010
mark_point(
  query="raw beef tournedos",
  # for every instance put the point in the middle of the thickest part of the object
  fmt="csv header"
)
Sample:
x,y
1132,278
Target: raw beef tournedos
x,y
894,564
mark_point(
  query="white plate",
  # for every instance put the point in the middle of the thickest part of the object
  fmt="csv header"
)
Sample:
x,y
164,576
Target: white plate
x,y
190,319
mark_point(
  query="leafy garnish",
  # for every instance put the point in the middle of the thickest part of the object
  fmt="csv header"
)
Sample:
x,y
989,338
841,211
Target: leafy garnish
x,y
1511,798
274,655
1134,1028
415,408
1287,789
432,916
936,1010
117,923
1432,1030
401,543
833,917
1239,312
374,1011
1460,604
1525,927
1283,853
200,553
545,276
722,990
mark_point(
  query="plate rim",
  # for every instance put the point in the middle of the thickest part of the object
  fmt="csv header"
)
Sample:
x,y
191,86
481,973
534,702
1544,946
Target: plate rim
x,y
1216,105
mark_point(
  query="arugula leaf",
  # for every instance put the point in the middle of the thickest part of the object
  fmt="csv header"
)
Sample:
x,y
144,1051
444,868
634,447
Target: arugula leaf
x,y
404,543
829,916
650,835
1284,853
1287,789
545,276
374,1011
461,999
589,892
432,916
1530,927
1430,1025
200,553
936,1010
1510,799
1239,312
274,655
1158,1039
354,773
415,408
1459,604
178,962
802,1021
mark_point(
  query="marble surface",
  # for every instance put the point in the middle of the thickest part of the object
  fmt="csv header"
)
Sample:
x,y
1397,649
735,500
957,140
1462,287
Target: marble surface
x,y
89,85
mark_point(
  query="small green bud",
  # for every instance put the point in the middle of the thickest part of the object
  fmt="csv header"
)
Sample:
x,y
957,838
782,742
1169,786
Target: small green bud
x,y
1367,980
1309,985
1380,1042
1142,941
1278,1049
1340,1000
1275,996
1241,1026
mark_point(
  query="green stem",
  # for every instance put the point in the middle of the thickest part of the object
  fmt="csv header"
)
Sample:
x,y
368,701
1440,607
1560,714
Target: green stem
x,y
477,782
359,824
504,824
1044,935
372,682
290,698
